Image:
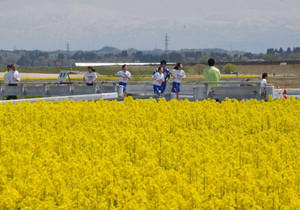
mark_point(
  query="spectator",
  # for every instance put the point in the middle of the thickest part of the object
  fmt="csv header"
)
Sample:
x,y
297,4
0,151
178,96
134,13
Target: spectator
x,y
211,73
5,73
263,82
124,77
90,76
12,78
16,77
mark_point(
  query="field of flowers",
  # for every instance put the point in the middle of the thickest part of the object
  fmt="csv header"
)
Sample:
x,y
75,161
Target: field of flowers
x,y
150,155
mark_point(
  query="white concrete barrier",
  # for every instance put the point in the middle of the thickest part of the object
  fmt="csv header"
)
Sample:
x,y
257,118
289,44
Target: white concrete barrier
x,y
88,97
189,90
55,89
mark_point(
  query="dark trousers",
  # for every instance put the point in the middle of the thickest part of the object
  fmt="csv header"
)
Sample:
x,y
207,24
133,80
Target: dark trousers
x,y
11,96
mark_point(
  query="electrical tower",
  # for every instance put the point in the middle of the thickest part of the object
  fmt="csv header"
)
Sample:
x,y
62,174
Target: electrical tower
x,y
68,54
166,43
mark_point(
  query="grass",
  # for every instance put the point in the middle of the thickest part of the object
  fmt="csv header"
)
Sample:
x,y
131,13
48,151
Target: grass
x,y
147,70
285,76
270,69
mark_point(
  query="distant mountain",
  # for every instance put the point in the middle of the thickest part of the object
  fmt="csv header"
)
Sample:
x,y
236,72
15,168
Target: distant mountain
x,y
108,49
130,51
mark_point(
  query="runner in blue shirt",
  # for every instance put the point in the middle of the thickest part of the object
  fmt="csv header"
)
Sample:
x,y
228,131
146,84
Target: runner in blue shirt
x,y
166,73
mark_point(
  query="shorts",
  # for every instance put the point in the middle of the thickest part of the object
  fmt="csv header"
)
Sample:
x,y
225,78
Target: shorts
x,y
124,85
175,87
163,87
157,89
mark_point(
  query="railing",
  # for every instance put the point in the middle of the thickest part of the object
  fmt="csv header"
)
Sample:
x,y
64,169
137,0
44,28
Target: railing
x,y
25,90
88,97
237,90
286,93
201,90
144,89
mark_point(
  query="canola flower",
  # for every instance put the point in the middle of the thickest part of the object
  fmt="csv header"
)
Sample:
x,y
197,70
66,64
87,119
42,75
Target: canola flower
x,y
150,155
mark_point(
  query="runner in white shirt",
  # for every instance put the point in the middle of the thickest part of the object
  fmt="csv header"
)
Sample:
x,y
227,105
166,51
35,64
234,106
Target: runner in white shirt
x,y
90,76
158,79
124,77
167,74
179,75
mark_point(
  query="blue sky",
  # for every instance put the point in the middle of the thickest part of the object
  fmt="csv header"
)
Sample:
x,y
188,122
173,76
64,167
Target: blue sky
x,y
251,26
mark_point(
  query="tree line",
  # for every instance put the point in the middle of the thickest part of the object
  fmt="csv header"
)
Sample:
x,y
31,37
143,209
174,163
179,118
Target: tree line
x,y
45,58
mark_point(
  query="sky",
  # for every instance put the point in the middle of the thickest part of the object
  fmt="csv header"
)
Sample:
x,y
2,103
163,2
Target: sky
x,y
250,26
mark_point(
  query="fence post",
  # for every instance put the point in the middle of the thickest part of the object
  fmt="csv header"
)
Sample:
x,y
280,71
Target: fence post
x,y
120,91
114,87
259,92
22,91
1,92
45,90
195,93
97,88
206,90
269,91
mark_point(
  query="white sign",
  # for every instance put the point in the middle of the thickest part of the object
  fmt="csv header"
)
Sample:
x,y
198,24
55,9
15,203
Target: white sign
x,y
62,77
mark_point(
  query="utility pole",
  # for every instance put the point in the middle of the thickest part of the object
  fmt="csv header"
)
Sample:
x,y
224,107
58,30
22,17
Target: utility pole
x,y
68,54
166,43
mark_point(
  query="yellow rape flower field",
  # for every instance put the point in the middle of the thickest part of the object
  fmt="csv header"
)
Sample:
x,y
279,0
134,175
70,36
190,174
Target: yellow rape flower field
x,y
150,155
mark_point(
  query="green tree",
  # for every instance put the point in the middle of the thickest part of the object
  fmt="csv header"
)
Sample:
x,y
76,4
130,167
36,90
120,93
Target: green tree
x,y
236,59
229,68
60,56
203,59
190,60
292,57
269,57
224,60
245,59
123,54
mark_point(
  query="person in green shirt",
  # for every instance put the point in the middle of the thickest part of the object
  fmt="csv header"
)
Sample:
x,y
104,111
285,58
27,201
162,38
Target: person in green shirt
x,y
5,73
211,73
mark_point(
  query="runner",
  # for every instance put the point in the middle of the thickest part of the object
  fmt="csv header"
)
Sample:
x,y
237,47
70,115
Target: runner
x,y
158,79
124,77
166,73
179,75
90,76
